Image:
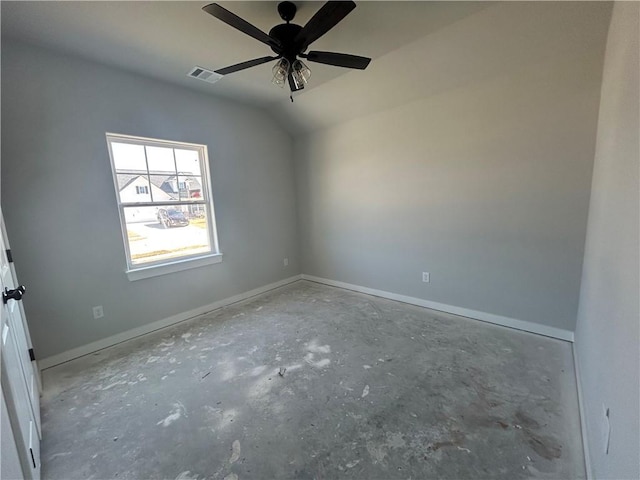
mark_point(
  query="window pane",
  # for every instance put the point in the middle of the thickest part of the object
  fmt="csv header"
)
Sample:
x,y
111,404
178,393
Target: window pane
x,y
188,162
160,160
128,157
133,187
164,188
155,234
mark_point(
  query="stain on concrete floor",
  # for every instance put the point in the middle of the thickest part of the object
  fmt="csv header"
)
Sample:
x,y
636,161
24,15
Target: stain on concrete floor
x,y
315,382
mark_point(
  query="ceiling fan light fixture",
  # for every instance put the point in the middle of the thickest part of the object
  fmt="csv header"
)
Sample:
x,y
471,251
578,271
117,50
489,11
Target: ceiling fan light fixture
x,y
301,73
280,71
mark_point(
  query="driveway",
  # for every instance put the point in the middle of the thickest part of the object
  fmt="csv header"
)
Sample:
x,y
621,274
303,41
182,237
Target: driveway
x,y
149,241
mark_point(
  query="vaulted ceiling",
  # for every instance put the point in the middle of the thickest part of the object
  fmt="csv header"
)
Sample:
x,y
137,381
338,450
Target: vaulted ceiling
x,y
418,48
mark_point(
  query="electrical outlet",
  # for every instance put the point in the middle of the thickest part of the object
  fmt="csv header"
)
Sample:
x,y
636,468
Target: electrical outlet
x,y
425,277
606,430
98,312
286,262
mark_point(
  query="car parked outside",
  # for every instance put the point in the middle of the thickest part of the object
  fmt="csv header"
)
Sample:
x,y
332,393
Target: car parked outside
x,y
171,217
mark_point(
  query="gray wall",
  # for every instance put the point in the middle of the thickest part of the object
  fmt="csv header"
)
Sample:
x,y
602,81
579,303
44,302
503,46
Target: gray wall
x,y
607,331
60,206
485,185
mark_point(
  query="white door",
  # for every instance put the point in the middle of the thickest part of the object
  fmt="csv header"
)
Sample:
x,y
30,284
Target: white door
x,y
20,383
32,372
10,465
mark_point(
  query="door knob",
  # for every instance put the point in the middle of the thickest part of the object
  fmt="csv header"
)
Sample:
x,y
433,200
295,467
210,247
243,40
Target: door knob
x,y
13,294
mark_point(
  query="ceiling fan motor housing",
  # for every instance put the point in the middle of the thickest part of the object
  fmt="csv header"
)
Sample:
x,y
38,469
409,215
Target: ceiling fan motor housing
x,y
286,34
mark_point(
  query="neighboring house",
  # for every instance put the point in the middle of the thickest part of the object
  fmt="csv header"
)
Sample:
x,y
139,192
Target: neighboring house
x,y
134,186
185,186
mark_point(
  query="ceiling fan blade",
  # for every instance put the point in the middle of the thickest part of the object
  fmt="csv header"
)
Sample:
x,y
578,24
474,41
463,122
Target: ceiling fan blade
x,y
292,84
238,23
244,65
329,15
339,59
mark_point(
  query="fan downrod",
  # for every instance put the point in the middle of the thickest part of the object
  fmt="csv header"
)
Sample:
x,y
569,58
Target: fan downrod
x,y
287,11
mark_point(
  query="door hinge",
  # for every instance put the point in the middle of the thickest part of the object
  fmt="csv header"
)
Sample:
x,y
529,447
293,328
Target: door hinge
x,y
9,256
32,355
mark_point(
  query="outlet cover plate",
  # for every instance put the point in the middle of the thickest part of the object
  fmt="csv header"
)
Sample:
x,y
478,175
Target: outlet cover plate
x,y
98,312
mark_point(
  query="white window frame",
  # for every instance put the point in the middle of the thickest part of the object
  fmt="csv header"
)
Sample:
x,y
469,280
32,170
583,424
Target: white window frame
x,y
162,267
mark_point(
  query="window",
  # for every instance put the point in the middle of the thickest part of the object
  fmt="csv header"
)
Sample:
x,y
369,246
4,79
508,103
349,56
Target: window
x,y
164,199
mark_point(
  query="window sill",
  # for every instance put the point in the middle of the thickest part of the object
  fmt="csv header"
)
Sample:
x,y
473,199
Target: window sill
x,y
177,266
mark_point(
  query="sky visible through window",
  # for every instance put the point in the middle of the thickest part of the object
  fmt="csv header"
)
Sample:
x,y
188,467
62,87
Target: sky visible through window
x,y
128,157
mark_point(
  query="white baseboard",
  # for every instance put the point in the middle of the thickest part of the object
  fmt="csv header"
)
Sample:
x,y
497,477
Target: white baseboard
x,y
531,327
152,327
583,416
181,317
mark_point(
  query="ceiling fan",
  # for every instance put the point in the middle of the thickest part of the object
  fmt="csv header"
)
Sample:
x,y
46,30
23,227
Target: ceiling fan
x,y
290,42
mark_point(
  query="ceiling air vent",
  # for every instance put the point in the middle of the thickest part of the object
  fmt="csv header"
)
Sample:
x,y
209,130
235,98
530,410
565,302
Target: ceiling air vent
x,y
204,75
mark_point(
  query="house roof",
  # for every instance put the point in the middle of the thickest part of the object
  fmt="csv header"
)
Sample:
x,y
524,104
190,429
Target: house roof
x,y
125,177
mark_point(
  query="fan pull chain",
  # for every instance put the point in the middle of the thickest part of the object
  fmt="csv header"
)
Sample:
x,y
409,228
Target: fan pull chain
x,y
291,97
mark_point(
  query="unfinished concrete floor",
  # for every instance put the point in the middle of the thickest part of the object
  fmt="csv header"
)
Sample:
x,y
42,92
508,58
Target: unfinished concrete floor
x,y
373,389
